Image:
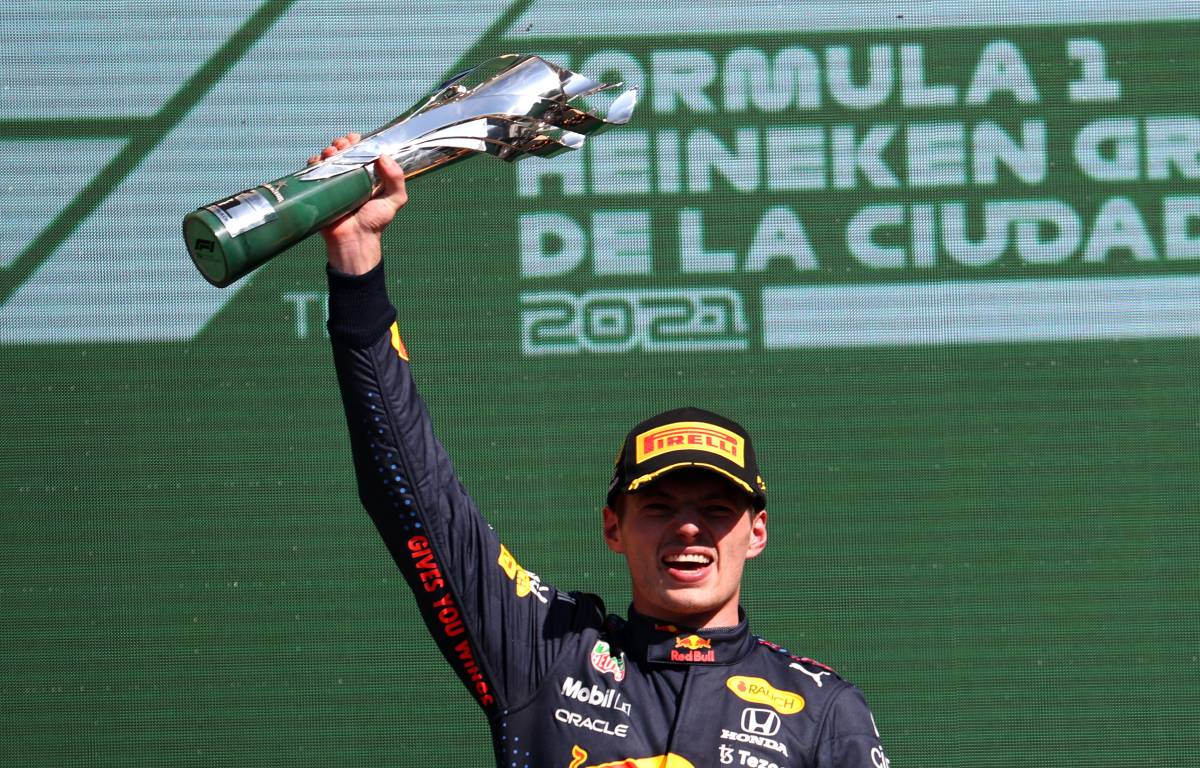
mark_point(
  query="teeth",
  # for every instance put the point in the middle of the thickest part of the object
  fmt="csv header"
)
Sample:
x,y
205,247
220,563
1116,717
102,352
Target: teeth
x,y
689,558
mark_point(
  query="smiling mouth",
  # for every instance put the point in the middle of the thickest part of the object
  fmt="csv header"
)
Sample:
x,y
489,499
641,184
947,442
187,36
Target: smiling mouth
x,y
687,562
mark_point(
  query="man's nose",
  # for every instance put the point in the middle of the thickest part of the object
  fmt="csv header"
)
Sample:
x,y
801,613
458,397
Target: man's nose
x,y
687,523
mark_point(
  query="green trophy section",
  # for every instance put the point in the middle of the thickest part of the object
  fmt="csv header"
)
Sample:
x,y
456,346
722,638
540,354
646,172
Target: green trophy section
x,y
230,238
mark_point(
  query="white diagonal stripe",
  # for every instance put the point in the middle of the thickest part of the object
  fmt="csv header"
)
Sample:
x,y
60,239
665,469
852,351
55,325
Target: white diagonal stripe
x,y
547,19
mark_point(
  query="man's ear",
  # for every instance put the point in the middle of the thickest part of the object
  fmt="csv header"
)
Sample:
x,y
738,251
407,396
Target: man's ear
x,y
758,533
612,530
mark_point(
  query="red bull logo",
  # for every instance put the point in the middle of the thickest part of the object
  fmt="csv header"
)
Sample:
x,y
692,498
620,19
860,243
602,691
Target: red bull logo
x,y
693,642
579,756
696,650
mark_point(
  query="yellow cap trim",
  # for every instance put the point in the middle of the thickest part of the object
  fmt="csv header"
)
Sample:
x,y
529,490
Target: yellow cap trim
x,y
634,484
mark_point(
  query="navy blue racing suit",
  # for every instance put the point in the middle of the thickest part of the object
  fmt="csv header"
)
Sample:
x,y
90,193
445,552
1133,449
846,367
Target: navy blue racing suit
x,y
562,684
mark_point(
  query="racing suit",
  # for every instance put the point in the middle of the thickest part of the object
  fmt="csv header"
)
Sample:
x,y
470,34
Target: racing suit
x,y
561,683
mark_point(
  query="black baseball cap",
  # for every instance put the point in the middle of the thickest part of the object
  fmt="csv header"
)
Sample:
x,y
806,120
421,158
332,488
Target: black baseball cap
x,y
687,437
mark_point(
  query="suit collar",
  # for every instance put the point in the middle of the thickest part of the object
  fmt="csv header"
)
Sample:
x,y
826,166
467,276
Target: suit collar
x,y
661,642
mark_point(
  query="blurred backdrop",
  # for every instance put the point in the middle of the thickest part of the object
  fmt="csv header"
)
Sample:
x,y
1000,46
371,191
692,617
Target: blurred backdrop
x,y
941,258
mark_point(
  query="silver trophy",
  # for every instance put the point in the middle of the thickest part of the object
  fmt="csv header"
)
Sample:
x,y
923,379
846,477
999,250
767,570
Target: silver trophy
x,y
510,107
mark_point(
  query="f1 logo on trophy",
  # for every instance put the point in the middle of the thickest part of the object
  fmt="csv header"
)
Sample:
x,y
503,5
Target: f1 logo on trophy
x,y
510,107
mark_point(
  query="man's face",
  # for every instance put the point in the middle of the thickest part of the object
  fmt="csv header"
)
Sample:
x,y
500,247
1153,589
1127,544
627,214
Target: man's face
x,y
686,538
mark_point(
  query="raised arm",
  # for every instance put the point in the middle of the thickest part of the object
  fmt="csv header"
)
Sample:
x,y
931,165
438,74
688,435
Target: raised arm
x,y
496,624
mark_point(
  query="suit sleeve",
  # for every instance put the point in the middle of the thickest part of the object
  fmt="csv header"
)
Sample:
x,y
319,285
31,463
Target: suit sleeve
x,y
497,625
849,738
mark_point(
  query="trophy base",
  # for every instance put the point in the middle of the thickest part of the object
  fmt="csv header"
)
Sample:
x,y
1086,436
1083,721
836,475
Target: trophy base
x,y
232,237
219,257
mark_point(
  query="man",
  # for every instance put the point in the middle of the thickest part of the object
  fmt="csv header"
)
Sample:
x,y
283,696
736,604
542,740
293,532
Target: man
x,y
681,682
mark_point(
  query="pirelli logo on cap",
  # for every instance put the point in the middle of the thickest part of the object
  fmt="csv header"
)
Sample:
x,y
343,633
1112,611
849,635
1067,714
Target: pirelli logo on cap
x,y
691,436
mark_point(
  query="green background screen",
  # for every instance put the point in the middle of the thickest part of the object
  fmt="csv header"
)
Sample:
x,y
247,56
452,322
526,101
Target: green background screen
x,y
942,260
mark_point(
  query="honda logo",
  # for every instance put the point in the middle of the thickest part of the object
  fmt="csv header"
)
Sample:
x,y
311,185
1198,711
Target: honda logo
x,y
760,722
